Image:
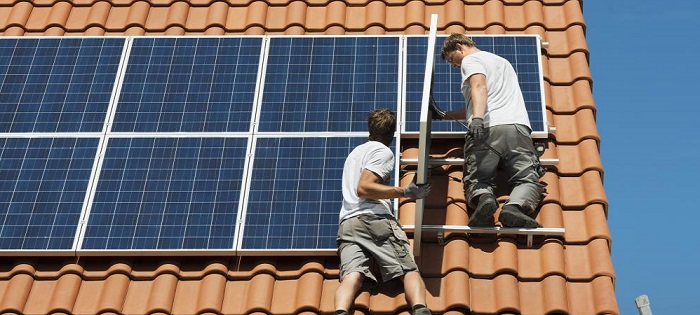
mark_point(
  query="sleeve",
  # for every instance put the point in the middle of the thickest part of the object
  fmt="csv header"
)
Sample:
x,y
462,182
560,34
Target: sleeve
x,y
471,65
381,162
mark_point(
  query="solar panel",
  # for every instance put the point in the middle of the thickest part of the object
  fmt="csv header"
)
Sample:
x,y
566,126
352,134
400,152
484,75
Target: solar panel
x,y
167,193
328,84
523,52
57,84
295,192
189,84
43,183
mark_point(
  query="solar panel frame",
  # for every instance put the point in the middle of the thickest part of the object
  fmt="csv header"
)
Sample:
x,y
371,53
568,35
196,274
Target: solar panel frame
x,y
222,92
71,72
111,133
286,235
266,124
50,174
157,189
446,82
359,134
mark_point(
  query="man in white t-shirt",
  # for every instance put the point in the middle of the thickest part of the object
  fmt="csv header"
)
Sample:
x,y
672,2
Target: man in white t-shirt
x,y
499,132
368,233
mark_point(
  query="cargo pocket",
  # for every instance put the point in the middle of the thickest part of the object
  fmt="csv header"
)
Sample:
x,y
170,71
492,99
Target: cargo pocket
x,y
399,232
378,228
400,242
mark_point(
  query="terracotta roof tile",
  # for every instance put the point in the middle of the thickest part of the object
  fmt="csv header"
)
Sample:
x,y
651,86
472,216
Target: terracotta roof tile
x,y
125,19
564,71
574,128
300,17
567,99
517,284
102,295
575,159
575,192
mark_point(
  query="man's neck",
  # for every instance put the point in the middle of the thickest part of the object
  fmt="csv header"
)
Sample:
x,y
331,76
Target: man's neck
x,y
469,50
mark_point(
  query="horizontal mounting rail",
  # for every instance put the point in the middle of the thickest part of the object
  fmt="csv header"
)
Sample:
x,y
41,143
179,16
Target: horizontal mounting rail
x,y
441,229
460,161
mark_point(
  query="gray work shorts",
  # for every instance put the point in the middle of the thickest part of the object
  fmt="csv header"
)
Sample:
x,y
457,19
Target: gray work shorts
x,y
369,239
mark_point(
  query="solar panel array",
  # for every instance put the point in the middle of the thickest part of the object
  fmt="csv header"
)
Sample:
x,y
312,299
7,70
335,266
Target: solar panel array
x,y
177,144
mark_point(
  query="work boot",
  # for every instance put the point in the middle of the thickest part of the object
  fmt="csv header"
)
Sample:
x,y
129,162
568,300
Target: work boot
x,y
483,214
421,310
511,216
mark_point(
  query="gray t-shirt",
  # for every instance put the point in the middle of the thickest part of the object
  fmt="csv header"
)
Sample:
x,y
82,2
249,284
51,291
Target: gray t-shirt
x,y
504,103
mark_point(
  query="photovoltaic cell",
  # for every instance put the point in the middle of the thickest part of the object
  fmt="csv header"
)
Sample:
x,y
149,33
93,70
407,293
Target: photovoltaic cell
x,y
57,84
43,183
167,193
295,192
189,84
320,84
522,52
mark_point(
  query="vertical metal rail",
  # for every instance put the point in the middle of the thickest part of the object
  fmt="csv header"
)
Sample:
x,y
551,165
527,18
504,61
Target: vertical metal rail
x,y
424,135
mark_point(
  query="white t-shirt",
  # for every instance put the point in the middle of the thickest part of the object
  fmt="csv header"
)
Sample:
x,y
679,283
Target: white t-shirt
x,y
504,103
373,156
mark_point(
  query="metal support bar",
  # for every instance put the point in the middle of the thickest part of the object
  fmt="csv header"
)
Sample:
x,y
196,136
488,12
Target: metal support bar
x,y
530,233
460,161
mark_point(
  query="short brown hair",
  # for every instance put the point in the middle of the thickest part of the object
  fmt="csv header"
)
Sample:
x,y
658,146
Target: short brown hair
x,y
382,125
451,42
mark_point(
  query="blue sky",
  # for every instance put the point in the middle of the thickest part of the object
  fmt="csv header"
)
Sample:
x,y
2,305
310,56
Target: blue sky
x,y
644,58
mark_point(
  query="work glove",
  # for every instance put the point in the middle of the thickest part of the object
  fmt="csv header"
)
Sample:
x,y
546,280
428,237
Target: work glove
x,y
415,191
476,128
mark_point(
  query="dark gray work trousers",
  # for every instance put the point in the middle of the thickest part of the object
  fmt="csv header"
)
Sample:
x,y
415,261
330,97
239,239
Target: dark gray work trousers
x,y
517,154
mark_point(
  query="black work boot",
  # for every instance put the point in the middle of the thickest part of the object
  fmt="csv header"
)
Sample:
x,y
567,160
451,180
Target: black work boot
x,y
421,310
511,216
483,214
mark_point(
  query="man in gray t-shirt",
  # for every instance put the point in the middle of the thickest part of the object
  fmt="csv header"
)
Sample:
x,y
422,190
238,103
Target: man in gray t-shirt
x,y
499,132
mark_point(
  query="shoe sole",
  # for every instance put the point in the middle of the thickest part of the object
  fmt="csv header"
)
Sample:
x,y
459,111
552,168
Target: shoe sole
x,y
518,220
483,215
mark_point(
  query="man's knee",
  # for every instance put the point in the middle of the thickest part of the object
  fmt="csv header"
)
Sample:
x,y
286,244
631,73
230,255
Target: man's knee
x,y
355,278
412,277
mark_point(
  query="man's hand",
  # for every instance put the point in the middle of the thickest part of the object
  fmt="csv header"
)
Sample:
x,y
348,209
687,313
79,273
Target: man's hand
x,y
415,191
476,128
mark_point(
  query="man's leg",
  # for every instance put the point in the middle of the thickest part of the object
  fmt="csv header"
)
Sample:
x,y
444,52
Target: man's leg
x,y
414,287
480,165
523,166
346,292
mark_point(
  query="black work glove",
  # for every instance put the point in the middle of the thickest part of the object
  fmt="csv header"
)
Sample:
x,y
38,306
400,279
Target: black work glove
x,y
415,191
476,128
